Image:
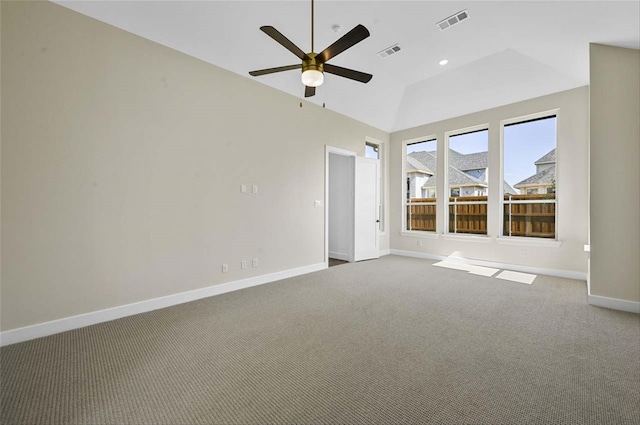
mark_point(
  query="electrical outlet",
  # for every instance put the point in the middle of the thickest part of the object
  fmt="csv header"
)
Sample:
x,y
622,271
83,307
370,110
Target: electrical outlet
x,y
254,262
244,264
225,268
254,188
419,243
243,188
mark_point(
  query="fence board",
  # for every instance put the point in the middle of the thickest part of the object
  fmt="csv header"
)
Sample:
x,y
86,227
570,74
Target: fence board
x,y
528,219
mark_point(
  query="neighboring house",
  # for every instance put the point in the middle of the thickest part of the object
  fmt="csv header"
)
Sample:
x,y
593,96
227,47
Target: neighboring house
x,y
419,176
544,181
468,174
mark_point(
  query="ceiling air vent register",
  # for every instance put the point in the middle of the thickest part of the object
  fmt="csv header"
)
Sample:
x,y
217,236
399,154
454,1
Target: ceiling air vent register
x,y
453,19
389,51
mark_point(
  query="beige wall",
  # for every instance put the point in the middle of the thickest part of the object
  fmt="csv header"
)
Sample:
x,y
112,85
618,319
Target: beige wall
x,y
614,230
122,162
572,152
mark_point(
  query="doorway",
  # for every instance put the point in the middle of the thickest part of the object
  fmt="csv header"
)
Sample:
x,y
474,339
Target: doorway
x,y
351,200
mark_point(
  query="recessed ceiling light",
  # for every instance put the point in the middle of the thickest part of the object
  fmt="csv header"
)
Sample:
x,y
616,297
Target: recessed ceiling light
x,y
443,62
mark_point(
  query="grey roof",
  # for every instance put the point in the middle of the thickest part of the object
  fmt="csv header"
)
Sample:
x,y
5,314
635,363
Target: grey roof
x,y
427,159
459,178
506,188
470,161
546,176
463,162
456,178
414,165
548,158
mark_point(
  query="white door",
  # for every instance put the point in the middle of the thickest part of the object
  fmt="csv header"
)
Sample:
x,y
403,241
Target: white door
x,y
366,200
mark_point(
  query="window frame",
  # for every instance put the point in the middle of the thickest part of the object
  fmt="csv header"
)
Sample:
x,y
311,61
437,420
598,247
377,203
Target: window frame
x,y
523,119
403,193
382,158
447,135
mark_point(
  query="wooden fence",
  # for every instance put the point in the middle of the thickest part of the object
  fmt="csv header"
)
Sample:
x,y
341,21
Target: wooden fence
x,y
524,215
530,215
422,216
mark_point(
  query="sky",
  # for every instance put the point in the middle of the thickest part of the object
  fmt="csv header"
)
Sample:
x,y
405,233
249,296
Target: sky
x,y
523,145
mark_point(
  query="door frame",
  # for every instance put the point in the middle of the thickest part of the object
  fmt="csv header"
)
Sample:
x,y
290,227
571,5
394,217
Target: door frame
x,y
338,151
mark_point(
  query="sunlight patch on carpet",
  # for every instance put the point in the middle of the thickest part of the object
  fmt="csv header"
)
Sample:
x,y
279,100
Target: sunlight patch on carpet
x,y
477,270
517,277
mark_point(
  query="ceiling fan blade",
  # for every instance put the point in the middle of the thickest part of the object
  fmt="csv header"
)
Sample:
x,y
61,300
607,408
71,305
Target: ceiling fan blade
x,y
347,73
309,91
272,70
350,39
288,44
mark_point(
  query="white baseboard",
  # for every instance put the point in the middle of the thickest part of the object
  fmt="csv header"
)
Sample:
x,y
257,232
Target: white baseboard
x,y
339,256
345,257
414,254
567,274
614,303
74,322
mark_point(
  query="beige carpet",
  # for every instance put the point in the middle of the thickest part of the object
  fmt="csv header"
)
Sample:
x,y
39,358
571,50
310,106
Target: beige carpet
x,y
394,340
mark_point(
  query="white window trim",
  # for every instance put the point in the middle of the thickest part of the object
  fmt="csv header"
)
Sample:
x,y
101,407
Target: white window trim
x,y
383,158
403,191
520,239
528,241
466,237
420,234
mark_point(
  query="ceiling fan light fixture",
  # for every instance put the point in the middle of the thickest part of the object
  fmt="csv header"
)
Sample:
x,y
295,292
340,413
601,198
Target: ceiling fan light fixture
x,y
312,78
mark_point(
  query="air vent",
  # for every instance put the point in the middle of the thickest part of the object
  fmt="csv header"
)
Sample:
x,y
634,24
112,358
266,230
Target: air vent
x,y
453,19
389,51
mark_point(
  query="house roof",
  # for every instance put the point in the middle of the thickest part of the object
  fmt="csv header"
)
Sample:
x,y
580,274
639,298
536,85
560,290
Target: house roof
x,y
470,161
457,177
463,162
426,159
414,165
460,178
544,177
548,158
506,188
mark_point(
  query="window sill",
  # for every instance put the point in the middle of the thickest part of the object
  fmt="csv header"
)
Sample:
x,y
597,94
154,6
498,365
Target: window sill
x,y
545,243
419,234
466,238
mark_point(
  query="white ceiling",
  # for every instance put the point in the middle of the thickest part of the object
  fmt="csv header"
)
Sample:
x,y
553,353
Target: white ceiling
x,y
505,52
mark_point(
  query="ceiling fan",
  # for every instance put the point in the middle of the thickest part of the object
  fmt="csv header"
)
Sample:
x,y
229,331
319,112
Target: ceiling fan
x,y
314,65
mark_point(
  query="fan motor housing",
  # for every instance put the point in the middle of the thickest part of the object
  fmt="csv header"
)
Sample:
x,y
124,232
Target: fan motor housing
x,y
310,63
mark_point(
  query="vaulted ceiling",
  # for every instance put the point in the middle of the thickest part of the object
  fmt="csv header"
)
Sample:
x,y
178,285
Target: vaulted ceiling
x,y
504,52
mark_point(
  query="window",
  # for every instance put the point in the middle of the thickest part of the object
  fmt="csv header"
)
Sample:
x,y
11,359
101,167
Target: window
x,y
468,171
421,166
372,151
529,201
